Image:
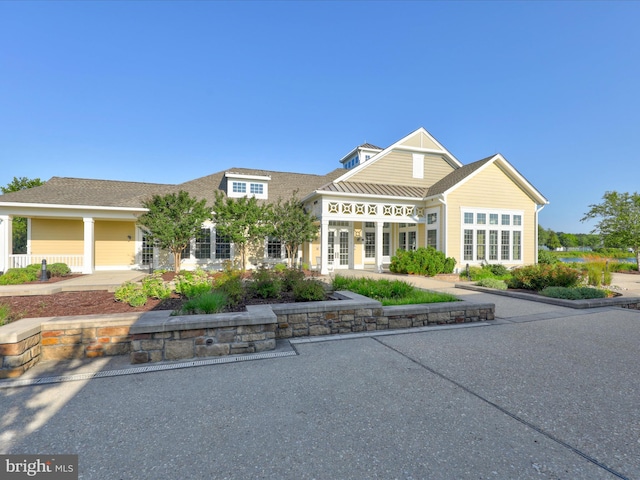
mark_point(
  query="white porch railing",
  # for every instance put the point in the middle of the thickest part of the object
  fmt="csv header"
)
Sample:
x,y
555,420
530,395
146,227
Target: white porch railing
x,y
74,262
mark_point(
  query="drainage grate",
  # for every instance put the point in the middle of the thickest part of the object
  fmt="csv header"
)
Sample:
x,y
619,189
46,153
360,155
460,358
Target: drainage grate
x,y
144,369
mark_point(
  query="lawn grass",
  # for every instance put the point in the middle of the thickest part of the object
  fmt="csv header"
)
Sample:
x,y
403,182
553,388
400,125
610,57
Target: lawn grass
x,y
390,292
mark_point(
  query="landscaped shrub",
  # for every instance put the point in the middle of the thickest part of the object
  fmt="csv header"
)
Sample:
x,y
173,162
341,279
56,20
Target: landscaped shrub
x,y
191,284
579,293
265,283
449,265
279,267
290,278
230,283
497,271
547,258
309,291
206,303
154,287
17,276
537,277
594,274
131,293
492,283
423,261
35,270
58,269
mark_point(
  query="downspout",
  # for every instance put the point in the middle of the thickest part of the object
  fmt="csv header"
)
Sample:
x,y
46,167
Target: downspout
x,y
538,209
443,201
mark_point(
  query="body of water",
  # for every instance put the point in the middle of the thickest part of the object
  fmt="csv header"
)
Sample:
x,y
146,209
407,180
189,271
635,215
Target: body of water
x,y
584,260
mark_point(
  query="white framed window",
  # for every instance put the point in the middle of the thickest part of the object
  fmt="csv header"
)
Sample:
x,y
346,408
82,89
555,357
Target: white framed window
x,y
274,247
498,239
432,238
202,250
223,247
238,187
256,188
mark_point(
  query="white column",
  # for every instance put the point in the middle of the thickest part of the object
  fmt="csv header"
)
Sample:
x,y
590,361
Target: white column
x,y
87,264
379,226
324,246
6,241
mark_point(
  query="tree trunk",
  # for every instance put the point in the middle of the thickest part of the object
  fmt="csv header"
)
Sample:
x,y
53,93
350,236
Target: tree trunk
x,y
289,255
637,252
176,262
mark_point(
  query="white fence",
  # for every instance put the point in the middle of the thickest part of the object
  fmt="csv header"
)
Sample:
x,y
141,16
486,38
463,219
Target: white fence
x,y
74,262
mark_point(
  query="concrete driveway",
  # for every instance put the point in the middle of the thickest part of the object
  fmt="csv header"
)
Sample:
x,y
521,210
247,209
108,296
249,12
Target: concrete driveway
x,y
549,393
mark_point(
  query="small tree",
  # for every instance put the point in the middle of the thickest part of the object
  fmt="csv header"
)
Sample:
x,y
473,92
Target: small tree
x,y
293,225
19,233
173,220
243,221
619,223
553,242
543,235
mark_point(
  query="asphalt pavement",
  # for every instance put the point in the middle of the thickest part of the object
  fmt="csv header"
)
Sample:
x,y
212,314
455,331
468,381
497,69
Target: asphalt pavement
x,y
543,392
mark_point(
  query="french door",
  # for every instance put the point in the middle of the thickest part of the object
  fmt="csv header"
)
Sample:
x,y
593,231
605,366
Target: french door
x,y
338,247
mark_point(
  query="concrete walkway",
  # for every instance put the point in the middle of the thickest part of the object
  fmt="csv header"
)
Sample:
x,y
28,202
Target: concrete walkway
x,y
108,280
544,392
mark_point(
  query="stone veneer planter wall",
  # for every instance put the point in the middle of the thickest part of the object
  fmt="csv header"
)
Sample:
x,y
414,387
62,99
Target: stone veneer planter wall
x,y
158,336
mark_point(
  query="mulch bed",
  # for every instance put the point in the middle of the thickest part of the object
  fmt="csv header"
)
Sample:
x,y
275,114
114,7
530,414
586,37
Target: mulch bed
x,y
93,302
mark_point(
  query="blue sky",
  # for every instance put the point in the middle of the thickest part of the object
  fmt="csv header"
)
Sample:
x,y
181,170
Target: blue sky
x,y
170,91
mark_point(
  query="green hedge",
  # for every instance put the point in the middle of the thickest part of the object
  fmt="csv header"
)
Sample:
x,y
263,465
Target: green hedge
x,y
423,261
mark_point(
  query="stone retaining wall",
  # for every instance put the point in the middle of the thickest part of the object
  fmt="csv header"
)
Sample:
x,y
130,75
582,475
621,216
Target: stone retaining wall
x,y
157,336
89,340
365,315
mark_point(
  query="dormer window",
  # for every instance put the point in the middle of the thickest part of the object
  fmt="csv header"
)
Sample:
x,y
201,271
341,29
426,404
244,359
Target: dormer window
x,y
239,187
243,185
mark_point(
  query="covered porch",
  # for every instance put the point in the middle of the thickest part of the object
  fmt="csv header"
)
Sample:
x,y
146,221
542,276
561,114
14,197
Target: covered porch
x,y
364,234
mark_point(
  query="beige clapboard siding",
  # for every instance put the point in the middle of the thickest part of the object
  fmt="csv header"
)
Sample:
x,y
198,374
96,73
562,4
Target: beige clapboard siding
x,y
420,141
114,243
396,168
57,237
490,188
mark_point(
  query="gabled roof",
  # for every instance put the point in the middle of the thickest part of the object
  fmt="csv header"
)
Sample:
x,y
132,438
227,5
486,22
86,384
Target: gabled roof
x,y
461,175
120,194
84,191
448,156
281,185
441,187
455,177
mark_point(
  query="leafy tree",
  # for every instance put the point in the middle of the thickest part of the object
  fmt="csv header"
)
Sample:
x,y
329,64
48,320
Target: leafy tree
x,y
619,221
293,225
173,220
19,233
553,241
543,235
243,221
568,240
589,240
